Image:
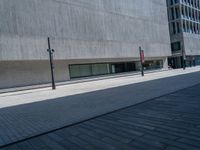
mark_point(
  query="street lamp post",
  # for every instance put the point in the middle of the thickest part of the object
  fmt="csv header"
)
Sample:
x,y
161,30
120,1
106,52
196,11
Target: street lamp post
x,y
51,51
142,60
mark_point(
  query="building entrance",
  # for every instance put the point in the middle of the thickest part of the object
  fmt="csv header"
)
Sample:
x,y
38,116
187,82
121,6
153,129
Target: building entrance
x,y
175,62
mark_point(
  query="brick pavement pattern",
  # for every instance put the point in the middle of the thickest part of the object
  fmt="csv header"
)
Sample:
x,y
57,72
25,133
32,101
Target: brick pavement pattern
x,y
22,120
170,122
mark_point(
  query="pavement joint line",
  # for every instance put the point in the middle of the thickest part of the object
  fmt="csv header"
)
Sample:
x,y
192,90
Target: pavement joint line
x,y
77,123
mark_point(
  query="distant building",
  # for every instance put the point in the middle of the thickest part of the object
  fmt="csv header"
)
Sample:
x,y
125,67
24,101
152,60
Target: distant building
x,y
90,37
184,25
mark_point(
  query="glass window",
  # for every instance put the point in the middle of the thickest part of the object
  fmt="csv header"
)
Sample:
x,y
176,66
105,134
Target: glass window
x,y
100,69
80,71
176,46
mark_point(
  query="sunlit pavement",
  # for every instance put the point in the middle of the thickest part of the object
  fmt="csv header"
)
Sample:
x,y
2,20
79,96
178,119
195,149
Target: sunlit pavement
x,y
42,94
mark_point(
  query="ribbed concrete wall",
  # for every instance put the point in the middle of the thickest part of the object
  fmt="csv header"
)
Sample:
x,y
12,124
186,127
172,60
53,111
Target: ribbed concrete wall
x,y
23,73
83,29
192,44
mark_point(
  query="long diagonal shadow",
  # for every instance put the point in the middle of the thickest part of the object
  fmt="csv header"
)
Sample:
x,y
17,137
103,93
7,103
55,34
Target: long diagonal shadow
x,y
25,121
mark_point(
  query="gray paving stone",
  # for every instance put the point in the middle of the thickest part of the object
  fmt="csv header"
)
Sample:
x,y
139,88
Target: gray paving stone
x,y
98,144
55,137
143,146
13,147
112,133
172,148
25,145
181,145
151,142
137,124
187,135
84,144
118,144
121,127
101,134
70,146
166,123
190,141
51,143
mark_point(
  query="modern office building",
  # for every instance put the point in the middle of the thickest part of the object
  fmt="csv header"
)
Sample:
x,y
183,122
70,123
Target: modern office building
x,y
184,25
90,37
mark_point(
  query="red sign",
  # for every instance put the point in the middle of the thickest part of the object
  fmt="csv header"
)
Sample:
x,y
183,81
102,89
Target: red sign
x,y
142,56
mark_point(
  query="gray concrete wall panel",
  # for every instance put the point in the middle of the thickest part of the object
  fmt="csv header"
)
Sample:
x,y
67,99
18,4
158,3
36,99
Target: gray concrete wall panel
x,y
24,73
83,29
192,44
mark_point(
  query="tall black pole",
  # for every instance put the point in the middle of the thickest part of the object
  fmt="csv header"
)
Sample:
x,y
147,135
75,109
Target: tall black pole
x,y
141,60
183,59
51,51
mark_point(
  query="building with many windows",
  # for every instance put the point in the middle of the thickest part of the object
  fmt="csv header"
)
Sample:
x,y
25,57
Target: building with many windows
x,y
184,25
90,37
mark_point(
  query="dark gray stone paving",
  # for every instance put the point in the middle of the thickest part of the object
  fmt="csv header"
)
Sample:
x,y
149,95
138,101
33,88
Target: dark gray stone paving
x,y
19,122
170,122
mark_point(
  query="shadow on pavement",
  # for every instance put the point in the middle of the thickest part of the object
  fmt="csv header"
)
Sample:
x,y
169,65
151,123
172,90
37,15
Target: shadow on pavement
x,y
28,120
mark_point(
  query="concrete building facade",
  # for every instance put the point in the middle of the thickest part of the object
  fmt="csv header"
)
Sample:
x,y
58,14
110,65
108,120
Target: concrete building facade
x,y
184,25
90,37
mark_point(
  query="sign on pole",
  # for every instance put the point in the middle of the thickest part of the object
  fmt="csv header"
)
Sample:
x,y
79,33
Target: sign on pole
x,y
142,56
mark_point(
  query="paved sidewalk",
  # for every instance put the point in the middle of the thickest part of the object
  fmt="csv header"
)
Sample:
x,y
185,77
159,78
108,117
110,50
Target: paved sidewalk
x,y
42,94
79,80
30,113
171,122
